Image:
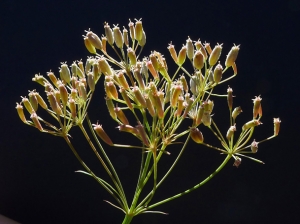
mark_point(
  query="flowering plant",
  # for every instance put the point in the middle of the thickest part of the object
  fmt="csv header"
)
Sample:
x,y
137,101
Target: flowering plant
x,y
158,99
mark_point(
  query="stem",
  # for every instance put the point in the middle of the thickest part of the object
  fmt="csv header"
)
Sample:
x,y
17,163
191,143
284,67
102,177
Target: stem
x,y
191,189
127,219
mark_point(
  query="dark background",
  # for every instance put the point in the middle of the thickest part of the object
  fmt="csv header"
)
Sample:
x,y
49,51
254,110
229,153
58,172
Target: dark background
x,y
37,179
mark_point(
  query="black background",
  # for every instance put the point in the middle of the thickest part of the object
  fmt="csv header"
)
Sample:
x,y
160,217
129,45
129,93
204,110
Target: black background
x,y
37,179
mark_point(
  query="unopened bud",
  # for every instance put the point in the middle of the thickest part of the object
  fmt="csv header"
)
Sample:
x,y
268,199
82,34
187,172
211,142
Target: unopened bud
x,y
218,73
128,128
53,78
198,60
184,83
150,107
189,48
142,134
131,30
152,70
122,80
199,116
82,91
91,81
109,34
201,48
173,52
131,55
111,90
33,100
118,36
142,42
215,55
208,48
104,41
181,56
177,90
111,108
138,76
36,121
94,39
277,122
139,97
27,105
105,67
65,73
138,30
21,113
63,93
102,134
232,55
125,36
196,135
73,108
89,45
180,106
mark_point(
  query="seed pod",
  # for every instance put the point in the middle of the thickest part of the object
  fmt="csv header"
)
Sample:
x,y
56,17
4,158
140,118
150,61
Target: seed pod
x,y
137,75
88,64
125,36
96,71
237,161
234,68
189,104
142,134
230,100
33,100
198,60
21,113
108,33
211,76
256,106
236,112
53,78
65,73
131,30
277,122
139,97
251,124
215,55
89,45
208,48
103,41
121,116
131,55
118,37
111,90
173,52
111,108
150,107
63,93
232,55
230,131
218,73
206,119
138,30
128,128
122,80
177,90
180,106
91,81
94,40
194,83
201,48
196,135
189,48
199,116
57,96
53,103
27,105
184,83
154,61
41,101
152,70
181,56
36,121
102,134
80,71
126,98
105,67
72,106
254,146
142,42
82,91
158,104
73,94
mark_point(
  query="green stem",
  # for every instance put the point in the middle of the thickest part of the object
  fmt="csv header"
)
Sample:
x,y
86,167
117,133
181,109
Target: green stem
x,y
127,219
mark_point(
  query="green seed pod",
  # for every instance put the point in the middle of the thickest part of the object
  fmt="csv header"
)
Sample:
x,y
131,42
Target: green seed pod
x,y
111,90
236,112
277,122
65,73
196,135
218,73
154,61
27,105
251,124
111,108
150,107
118,37
89,45
72,106
230,131
40,79
126,98
199,116
21,113
139,97
131,30
63,93
208,48
41,101
215,55
91,81
194,83
36,121
108,34
105,67
184,83
173,52
33,100
201,48
121,116
57,95
230,99
182,56
232,55
142,133
131,55
80,71
125,37
189,48
53,78
102,134
206,119
122,80
256,106
142,42
138,30
198,60
103,41
254,146
82,91
94,40
73,94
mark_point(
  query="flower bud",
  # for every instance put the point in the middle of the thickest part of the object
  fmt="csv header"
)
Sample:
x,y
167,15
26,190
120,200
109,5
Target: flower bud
x,y
137,75
198,60
200,47
126,98
57,95
256,106
218,73
254,146
122,80
173,52
104,66
53,78
27,105
251,124
196,135
104,41
88,64
177,90
230,100
111,90
108,34
206,119
158,104
40,79
63,93
65,73
142,42
53,103
80,71
181,56
102,134
73,94
118,37
154,61
21,113
89,45
72,106
138,30
41,101
33,100
199,116
189,48
215,55
237,161
111,108
236,112
94,40
36,121
150,107
184,83
152,69
91,81
277,122
139,97
82,91
131,30
125,36
194,83
121,116
208,48
131,55
230,131
232,55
